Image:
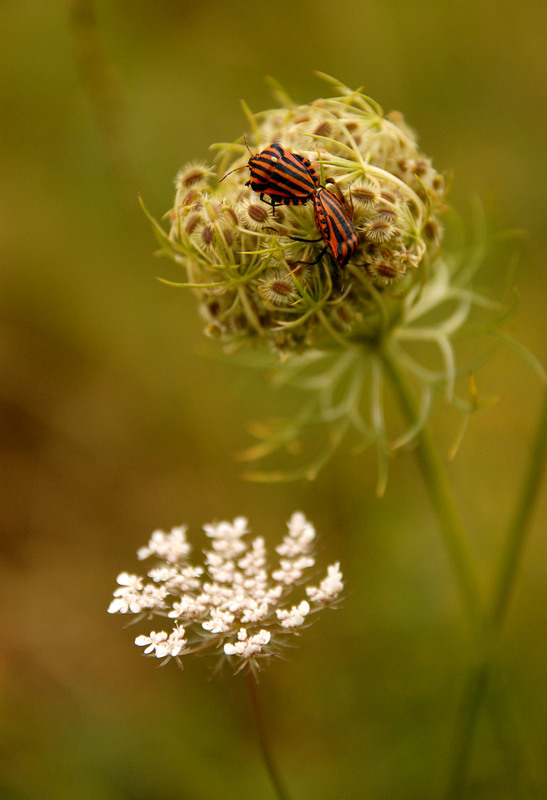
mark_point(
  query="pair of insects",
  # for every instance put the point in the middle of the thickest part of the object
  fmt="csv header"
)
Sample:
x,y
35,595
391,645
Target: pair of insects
x,y
289,179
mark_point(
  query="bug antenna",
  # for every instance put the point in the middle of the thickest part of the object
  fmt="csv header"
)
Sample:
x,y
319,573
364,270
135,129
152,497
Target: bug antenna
x,y
243,167
232,170
247,143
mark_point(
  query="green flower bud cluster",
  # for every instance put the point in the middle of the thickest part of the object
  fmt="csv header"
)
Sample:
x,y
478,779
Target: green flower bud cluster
x,y
254,276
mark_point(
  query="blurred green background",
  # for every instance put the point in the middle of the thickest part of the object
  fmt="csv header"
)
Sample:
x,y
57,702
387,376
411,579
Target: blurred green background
x,y
118,417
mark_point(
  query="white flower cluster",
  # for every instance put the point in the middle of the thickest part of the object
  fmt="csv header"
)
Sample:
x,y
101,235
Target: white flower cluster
x,y
232,603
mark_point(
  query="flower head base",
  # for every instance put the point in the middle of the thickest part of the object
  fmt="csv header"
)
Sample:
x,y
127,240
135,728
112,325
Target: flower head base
x,y
232,603
249,263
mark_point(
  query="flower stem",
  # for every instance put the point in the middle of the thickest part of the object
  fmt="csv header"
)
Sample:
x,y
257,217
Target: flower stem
x,y
486,625
263,739
479,674
516,539
440,493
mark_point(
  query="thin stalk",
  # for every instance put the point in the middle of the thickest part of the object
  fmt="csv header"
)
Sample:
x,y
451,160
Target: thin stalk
x,y
269,763
475,690
486,626
438,487
479,674
463,565
516,538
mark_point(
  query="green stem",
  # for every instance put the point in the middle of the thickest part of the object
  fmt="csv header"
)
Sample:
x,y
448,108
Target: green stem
x,y
475,690
479,675
486,627
440,493
516,539
263,739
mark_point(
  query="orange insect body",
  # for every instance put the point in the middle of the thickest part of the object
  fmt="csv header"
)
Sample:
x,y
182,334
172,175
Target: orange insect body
x,y
287,178
333,222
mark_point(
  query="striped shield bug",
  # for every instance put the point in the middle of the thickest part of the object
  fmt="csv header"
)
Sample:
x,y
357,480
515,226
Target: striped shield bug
x,y
287,178
334,221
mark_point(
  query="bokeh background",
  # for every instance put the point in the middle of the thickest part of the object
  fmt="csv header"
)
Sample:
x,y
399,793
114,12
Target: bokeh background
x,y
118,417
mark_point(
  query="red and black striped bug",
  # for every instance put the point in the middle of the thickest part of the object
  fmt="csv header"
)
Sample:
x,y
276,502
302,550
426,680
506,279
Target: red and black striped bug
x,y
334,221
287,178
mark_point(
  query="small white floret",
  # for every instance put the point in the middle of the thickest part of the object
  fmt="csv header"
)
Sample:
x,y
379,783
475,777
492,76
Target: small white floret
x,y
329,588
294,617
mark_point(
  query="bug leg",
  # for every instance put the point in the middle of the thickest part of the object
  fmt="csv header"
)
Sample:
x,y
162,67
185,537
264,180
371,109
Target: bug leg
x,y
298,239
319,257
271,203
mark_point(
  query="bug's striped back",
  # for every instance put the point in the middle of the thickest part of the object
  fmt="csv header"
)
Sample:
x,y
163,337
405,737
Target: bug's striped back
x,y
287,178
335,226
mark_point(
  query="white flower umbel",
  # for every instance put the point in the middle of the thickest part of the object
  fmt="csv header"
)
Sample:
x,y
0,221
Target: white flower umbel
x,y
233,604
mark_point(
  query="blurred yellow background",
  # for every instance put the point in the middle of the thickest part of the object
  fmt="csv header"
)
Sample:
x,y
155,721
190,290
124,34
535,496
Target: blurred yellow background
x,y
118,417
